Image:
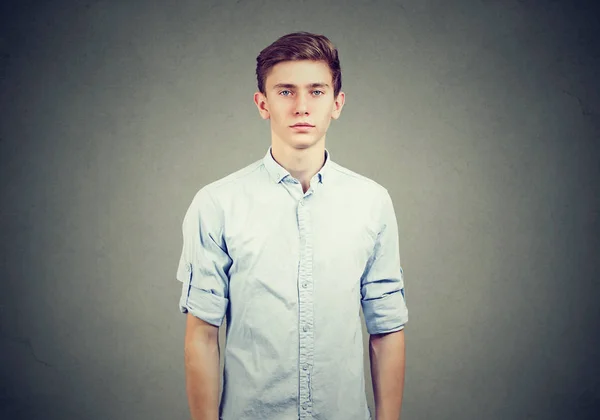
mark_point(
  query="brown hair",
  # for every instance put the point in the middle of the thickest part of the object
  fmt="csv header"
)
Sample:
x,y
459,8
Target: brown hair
x,y
299,46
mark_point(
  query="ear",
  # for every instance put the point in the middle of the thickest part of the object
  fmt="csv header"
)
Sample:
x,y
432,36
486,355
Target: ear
x,y
338,104
261,103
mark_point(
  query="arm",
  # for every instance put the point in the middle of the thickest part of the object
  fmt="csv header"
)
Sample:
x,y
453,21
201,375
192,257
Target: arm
x,y
386,314
387,355
202,368
202,270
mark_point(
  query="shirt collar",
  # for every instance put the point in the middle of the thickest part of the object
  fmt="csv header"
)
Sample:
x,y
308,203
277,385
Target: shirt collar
x,y
278,172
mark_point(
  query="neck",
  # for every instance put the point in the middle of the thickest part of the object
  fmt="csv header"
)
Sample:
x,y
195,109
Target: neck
x,y
302,164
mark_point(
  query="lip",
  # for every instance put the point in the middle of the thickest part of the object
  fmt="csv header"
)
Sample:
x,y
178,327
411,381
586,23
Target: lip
x,y
301,128
302,125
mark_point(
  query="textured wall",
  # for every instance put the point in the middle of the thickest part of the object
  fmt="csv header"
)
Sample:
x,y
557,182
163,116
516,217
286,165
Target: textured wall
x,y
480,117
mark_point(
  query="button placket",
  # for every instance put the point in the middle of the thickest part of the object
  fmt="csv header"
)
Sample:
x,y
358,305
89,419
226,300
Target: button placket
x,y
305,313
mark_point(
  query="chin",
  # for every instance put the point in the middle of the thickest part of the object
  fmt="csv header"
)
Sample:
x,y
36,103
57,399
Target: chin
x,y
303,143
299,140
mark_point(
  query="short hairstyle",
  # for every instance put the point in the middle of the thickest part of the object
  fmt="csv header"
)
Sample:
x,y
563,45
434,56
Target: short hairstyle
x,y
299,46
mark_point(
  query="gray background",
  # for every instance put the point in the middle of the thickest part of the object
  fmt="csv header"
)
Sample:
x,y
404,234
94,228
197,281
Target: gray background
x,y
480,117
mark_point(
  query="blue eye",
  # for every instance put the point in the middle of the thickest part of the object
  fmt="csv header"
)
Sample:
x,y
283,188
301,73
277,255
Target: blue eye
x,y
315,92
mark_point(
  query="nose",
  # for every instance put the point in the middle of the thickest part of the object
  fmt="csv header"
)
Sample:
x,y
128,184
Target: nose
x,y
301,105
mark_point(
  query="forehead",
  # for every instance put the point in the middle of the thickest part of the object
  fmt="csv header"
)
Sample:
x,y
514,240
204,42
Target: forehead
x,y
300,72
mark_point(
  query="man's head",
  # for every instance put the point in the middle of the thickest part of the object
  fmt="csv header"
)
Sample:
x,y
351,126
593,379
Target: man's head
x,y
299,81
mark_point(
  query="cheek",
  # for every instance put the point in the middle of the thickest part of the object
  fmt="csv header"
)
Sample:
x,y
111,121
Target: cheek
x,y
325,117
279,112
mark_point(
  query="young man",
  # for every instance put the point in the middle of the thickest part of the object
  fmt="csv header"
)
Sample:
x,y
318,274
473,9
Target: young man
x,y
289,248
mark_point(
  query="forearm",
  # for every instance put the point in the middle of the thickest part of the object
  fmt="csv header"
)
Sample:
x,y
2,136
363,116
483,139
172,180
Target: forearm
x,y
387,356
202,370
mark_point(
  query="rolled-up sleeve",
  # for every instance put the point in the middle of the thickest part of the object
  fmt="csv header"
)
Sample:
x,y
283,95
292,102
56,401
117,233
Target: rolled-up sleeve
x,y
204,263
382,283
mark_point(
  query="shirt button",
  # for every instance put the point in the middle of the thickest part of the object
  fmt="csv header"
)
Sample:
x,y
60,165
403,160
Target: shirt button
x,y
305,367
304,285
304,406
305,328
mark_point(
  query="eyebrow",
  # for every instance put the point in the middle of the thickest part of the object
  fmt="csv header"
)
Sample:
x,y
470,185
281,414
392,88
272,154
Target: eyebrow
x,y
292,86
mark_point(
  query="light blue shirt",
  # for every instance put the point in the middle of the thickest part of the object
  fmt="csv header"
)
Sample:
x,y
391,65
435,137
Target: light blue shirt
x,y
291,270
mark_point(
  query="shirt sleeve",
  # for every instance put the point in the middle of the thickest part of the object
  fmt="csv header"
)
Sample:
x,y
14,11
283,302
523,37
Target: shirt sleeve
x,y
382,283
204,263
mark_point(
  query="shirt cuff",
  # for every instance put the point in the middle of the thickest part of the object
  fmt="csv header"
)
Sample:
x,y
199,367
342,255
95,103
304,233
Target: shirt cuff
x,y
386,314
203,304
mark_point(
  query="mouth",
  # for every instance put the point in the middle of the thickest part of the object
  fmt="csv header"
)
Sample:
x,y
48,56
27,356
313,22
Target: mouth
x,y
302,125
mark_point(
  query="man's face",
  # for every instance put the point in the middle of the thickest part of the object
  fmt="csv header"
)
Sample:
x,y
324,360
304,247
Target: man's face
x,y
299,92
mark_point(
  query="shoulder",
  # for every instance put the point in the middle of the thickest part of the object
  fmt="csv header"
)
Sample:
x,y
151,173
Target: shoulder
x,y
358,182
365,192
213,193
